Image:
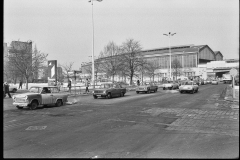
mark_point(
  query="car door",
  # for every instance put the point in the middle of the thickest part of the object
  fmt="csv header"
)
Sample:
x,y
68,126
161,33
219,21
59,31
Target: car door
x,y
115,90
46,96
55,94
151,86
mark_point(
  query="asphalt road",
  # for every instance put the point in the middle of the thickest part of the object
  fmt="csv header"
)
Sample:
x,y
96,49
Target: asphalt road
x,y
165,124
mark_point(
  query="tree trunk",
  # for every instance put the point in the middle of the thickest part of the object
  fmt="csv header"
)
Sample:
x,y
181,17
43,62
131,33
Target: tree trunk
x,y
131,77
26,82
112,78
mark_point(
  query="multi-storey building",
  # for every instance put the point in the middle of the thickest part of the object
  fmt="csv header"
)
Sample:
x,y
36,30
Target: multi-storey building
x,y
189,56
17,47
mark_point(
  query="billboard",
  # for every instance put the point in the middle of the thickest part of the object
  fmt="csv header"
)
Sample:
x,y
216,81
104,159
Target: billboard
x,y
52,72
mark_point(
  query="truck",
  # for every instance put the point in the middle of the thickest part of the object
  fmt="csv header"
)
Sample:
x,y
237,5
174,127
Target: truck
x,y
226,78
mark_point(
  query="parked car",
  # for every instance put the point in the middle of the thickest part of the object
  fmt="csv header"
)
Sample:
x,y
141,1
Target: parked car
x,y
170,85
109,90
208,81
202,82
147,87
189,86
12,88
214,81
38,96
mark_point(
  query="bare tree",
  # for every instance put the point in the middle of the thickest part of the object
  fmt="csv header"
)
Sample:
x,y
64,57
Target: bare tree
x,y
24,60
97,68
110,59
177,68
11,74
37,65
151,67
130,57
66,68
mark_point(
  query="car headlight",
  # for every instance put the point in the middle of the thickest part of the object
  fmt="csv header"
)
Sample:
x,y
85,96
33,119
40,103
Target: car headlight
x,y
92,91
104,91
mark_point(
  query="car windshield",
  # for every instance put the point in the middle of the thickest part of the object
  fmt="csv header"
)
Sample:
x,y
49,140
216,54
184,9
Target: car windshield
x,y
188,83
35,89
105,86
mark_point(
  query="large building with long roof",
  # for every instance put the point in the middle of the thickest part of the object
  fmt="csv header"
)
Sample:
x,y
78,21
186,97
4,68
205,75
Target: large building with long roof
x,y
190,58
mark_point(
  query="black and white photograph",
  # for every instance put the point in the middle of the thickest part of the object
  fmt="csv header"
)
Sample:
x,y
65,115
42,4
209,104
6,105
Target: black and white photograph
x,y
121,79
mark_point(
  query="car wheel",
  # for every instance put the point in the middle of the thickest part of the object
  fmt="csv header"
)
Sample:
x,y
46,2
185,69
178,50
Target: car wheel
x,y
181,91
14,90
109,96
95,97
137,92
33,105
155,90
121,94
148,91
58,103
192,91
163,88
170,88
18,107
196,90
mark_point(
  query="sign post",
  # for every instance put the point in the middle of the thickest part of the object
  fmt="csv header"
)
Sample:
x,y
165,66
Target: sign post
x,y
233,73
52,72
75,77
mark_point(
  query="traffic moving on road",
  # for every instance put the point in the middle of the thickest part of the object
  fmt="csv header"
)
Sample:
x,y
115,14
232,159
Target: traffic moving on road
x,y
133,126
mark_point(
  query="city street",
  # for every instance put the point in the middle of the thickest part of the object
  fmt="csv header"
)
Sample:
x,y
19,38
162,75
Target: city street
x,y
165,124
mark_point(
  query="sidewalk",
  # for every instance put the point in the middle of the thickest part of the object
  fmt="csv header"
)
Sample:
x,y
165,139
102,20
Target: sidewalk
x,y
229,94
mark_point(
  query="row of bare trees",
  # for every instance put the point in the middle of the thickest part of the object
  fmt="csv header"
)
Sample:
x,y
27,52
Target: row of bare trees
x,y
23,63
126,60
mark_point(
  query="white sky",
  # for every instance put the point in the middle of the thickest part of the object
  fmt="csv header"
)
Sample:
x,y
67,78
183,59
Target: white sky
x,y
63,28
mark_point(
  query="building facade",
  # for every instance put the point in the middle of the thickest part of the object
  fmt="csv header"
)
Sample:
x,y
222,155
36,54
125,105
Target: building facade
x,y
191,58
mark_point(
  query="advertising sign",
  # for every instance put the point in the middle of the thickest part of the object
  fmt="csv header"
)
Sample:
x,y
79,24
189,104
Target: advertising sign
x,y
52,72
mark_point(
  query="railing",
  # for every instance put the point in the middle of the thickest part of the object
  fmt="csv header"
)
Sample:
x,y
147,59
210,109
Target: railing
x,y
77,89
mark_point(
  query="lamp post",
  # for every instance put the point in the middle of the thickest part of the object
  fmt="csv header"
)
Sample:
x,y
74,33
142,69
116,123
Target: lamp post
x,y
93,78
169,35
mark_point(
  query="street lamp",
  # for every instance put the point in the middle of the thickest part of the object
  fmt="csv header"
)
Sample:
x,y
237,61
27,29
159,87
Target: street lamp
x,y
93,79
169,35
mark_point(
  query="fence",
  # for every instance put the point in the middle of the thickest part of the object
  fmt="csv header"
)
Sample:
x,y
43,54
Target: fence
x,y
77,89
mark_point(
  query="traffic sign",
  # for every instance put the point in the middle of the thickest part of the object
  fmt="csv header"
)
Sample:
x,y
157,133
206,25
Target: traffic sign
x,y
233,72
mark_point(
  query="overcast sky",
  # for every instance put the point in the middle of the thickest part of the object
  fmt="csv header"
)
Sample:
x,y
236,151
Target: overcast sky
x,y
63,28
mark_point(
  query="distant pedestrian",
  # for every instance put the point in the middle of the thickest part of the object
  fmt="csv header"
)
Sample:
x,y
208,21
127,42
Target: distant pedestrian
x,y
87,85
138,82
20,85
69,85
58,85
6,89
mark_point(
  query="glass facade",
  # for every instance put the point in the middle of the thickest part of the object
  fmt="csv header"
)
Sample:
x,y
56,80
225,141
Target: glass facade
x,y
186,61
189,61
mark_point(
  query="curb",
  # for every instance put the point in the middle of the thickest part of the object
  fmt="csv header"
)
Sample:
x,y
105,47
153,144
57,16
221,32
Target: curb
x,y
229,98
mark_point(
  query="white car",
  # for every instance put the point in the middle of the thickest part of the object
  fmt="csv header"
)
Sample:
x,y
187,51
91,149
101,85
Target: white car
x,y
215,81
188,86
170,85
39,95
